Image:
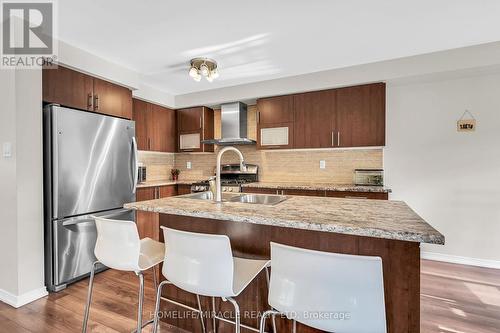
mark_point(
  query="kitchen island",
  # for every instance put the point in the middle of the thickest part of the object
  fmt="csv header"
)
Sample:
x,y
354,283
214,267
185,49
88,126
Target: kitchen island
x,y
388,229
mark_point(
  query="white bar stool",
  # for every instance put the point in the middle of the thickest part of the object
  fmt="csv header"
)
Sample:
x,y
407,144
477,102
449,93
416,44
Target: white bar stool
x,y
203,264
118,247
327,291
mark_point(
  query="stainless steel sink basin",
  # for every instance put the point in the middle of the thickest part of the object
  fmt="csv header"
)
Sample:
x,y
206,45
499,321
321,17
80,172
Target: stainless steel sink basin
x,y
262,199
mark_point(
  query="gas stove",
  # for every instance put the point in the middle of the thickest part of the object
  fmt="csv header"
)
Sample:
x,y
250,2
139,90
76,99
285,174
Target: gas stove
x,y
231,178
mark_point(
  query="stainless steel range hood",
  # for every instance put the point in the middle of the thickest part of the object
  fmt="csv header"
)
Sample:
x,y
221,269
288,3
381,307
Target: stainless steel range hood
x,y
234,126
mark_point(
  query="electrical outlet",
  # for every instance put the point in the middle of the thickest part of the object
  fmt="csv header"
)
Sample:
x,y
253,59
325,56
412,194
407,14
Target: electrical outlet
x,y
7,149
188,165
322,164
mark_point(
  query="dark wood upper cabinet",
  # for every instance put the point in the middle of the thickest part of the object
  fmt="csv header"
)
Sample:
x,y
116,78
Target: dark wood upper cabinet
x,y
155,127
73,89
112,99
141,113
163,125
193,126
360,117
190,119
275,117
314,119
274,110
68,88
345,117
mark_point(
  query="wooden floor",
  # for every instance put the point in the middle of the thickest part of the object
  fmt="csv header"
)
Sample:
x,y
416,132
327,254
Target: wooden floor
x,y
454,299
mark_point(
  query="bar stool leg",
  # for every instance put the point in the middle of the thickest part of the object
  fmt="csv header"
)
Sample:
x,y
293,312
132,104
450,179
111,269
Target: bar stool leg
x,y
155,277
89,297
141,301
237,314
268,279
263,319
201,314
157,306
214,313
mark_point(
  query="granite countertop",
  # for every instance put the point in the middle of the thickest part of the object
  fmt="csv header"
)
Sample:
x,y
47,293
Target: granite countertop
x,y
167,183
360,217
319,186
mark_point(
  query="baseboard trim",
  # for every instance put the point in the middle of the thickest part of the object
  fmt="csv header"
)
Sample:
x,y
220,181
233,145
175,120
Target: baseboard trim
x,y
18,301
487,263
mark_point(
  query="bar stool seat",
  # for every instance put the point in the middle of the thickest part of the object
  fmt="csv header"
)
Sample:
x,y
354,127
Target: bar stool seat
x,y
203,264
245,271
328,291
118,247
151,253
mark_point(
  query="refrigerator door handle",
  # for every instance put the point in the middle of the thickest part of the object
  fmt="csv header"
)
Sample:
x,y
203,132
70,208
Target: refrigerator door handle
x,y
93,216
136,164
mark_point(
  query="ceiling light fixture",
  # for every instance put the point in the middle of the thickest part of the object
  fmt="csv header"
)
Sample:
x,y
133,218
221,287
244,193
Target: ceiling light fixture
x,y
203,67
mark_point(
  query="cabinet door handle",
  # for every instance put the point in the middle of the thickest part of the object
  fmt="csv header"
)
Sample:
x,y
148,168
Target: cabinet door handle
x,y
89,101
338,139
149,144
200,122
258,117
96,102
333,144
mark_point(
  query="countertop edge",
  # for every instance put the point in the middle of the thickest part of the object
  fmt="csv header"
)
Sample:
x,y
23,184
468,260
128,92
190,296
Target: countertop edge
x,y
320,187
364,232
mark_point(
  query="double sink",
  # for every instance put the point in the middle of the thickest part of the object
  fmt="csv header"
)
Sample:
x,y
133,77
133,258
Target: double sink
x,y
262,199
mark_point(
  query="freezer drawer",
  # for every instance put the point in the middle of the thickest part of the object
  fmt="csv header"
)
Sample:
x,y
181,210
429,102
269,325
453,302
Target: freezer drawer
x,y
74,241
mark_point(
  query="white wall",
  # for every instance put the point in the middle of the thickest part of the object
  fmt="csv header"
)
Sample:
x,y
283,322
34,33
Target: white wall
x,y
451,179
21,198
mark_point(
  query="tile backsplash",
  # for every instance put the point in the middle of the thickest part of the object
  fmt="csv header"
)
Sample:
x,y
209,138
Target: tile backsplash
x,y
274,165
158,165
288,166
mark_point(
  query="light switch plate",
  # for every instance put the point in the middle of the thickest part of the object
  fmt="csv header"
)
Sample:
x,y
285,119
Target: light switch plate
x,y
188,165
322,164
7,149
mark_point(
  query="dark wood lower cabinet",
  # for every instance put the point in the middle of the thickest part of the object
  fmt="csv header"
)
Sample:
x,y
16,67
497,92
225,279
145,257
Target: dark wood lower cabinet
x,y
358,195
148,222
400,260
320,193
183,189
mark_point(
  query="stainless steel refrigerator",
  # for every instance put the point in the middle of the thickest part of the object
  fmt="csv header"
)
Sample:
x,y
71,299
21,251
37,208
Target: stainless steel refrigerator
x,y
90,169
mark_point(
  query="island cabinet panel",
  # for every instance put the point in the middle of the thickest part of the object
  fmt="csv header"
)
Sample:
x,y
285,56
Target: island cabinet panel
x,y
155,127
73,89
193,126
360,116
315,119
400,262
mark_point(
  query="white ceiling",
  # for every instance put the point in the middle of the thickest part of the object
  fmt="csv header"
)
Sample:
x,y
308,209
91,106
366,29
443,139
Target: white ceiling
x,y
262,39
